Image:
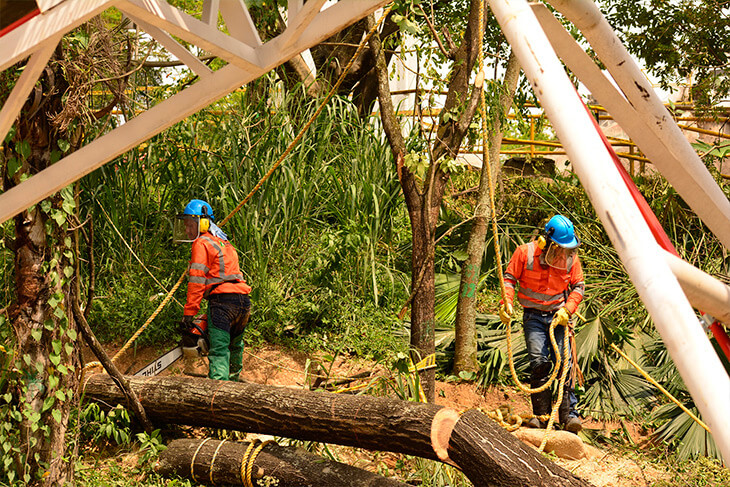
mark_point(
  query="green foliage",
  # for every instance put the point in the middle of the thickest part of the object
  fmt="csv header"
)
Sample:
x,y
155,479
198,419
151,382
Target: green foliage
x,y
318,241
676,40
113,427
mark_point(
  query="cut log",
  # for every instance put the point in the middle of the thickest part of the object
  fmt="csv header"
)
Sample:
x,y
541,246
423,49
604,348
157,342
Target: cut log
x,y
486,453
215,462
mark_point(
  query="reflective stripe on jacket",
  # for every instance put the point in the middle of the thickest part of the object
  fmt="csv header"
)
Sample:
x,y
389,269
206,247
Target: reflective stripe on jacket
x,y
213,269
540,286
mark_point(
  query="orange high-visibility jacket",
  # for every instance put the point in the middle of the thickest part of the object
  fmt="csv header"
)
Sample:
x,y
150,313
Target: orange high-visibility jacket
x,y
213,269
543,287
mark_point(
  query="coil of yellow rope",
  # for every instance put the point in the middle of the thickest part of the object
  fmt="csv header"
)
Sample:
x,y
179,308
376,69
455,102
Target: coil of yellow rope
x,y
498,258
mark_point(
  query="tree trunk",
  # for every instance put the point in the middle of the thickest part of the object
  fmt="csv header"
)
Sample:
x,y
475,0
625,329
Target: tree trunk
x,y
282,466
486,453
465,355
44,382
424,203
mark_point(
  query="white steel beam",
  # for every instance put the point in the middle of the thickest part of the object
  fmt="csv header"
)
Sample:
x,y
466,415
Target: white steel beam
x,y
210,12
704,291
681,176
175,48
44,5
160,14
699,189
171,111
25,83
658,288
239,22
294,7
341,14
296,25
19,43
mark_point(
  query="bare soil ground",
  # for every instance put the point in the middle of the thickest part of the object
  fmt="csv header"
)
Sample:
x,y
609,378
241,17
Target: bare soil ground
x,y
275,366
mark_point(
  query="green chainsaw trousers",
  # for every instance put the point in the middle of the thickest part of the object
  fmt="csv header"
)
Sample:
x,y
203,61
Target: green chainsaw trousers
x,y
225,355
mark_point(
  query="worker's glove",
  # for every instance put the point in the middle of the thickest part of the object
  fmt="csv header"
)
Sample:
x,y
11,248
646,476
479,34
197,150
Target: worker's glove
x,y
185,324
562,317
505,313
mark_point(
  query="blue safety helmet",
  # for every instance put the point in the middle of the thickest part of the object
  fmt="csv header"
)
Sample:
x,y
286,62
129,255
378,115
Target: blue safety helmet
x,y
561,231
199,208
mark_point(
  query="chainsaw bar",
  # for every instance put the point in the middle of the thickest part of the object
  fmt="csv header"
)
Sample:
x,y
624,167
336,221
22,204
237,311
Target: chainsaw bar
x,y
161,363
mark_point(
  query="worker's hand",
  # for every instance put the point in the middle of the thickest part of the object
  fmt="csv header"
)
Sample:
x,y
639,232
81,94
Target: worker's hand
x,y
562,317
185,324
505,313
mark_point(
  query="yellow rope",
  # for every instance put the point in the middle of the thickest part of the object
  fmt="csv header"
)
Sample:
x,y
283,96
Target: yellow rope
x,y
192,462
561,387
212,460
265,177
249,457
498,257
246,481
124,241
327,98
663,390
143,327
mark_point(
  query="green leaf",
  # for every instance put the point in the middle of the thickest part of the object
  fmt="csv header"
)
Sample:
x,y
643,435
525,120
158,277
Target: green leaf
x,y
68,348
23,149
53,381
49,324
48,403
8,397
62,369
72,334
56,345
64,145
55,359
56,415
59,217
13,166
68,271
60,395
37,334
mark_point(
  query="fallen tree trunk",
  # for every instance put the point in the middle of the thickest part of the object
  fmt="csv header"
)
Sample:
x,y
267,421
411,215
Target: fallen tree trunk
x,y
486,453
228,463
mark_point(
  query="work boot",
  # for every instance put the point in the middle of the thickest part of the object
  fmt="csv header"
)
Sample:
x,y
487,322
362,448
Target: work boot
x,y
573,425
541,403
569,422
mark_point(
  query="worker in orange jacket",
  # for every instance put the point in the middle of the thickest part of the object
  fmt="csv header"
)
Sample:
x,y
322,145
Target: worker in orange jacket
x,y
551,287
214,274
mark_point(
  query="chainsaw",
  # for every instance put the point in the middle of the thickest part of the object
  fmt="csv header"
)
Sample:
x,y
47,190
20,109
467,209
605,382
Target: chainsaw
x,y
194,345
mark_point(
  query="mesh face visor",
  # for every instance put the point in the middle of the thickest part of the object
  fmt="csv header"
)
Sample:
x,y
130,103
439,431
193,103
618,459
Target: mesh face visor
x,y
559,257
185,228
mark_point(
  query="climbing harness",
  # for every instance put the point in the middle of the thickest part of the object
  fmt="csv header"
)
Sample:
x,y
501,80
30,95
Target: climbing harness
x,y
498,254
266,176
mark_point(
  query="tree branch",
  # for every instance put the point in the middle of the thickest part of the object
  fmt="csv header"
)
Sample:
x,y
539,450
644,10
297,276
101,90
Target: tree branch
x,y
114,373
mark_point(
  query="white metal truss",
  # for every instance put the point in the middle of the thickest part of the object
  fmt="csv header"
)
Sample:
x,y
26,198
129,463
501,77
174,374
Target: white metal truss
x,y
247,56
646,264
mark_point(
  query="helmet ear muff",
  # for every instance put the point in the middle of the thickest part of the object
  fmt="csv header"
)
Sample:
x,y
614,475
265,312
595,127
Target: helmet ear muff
x,y
541,242
204,225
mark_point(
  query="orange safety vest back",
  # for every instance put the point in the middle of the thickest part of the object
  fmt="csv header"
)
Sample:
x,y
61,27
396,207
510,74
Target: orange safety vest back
x,y
213,269
543,287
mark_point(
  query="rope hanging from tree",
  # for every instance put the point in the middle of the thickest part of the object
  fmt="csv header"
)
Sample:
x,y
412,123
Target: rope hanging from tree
x,y
498,256
266,176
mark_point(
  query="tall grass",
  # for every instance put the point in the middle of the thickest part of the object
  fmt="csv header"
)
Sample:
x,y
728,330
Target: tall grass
x,y
314,240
